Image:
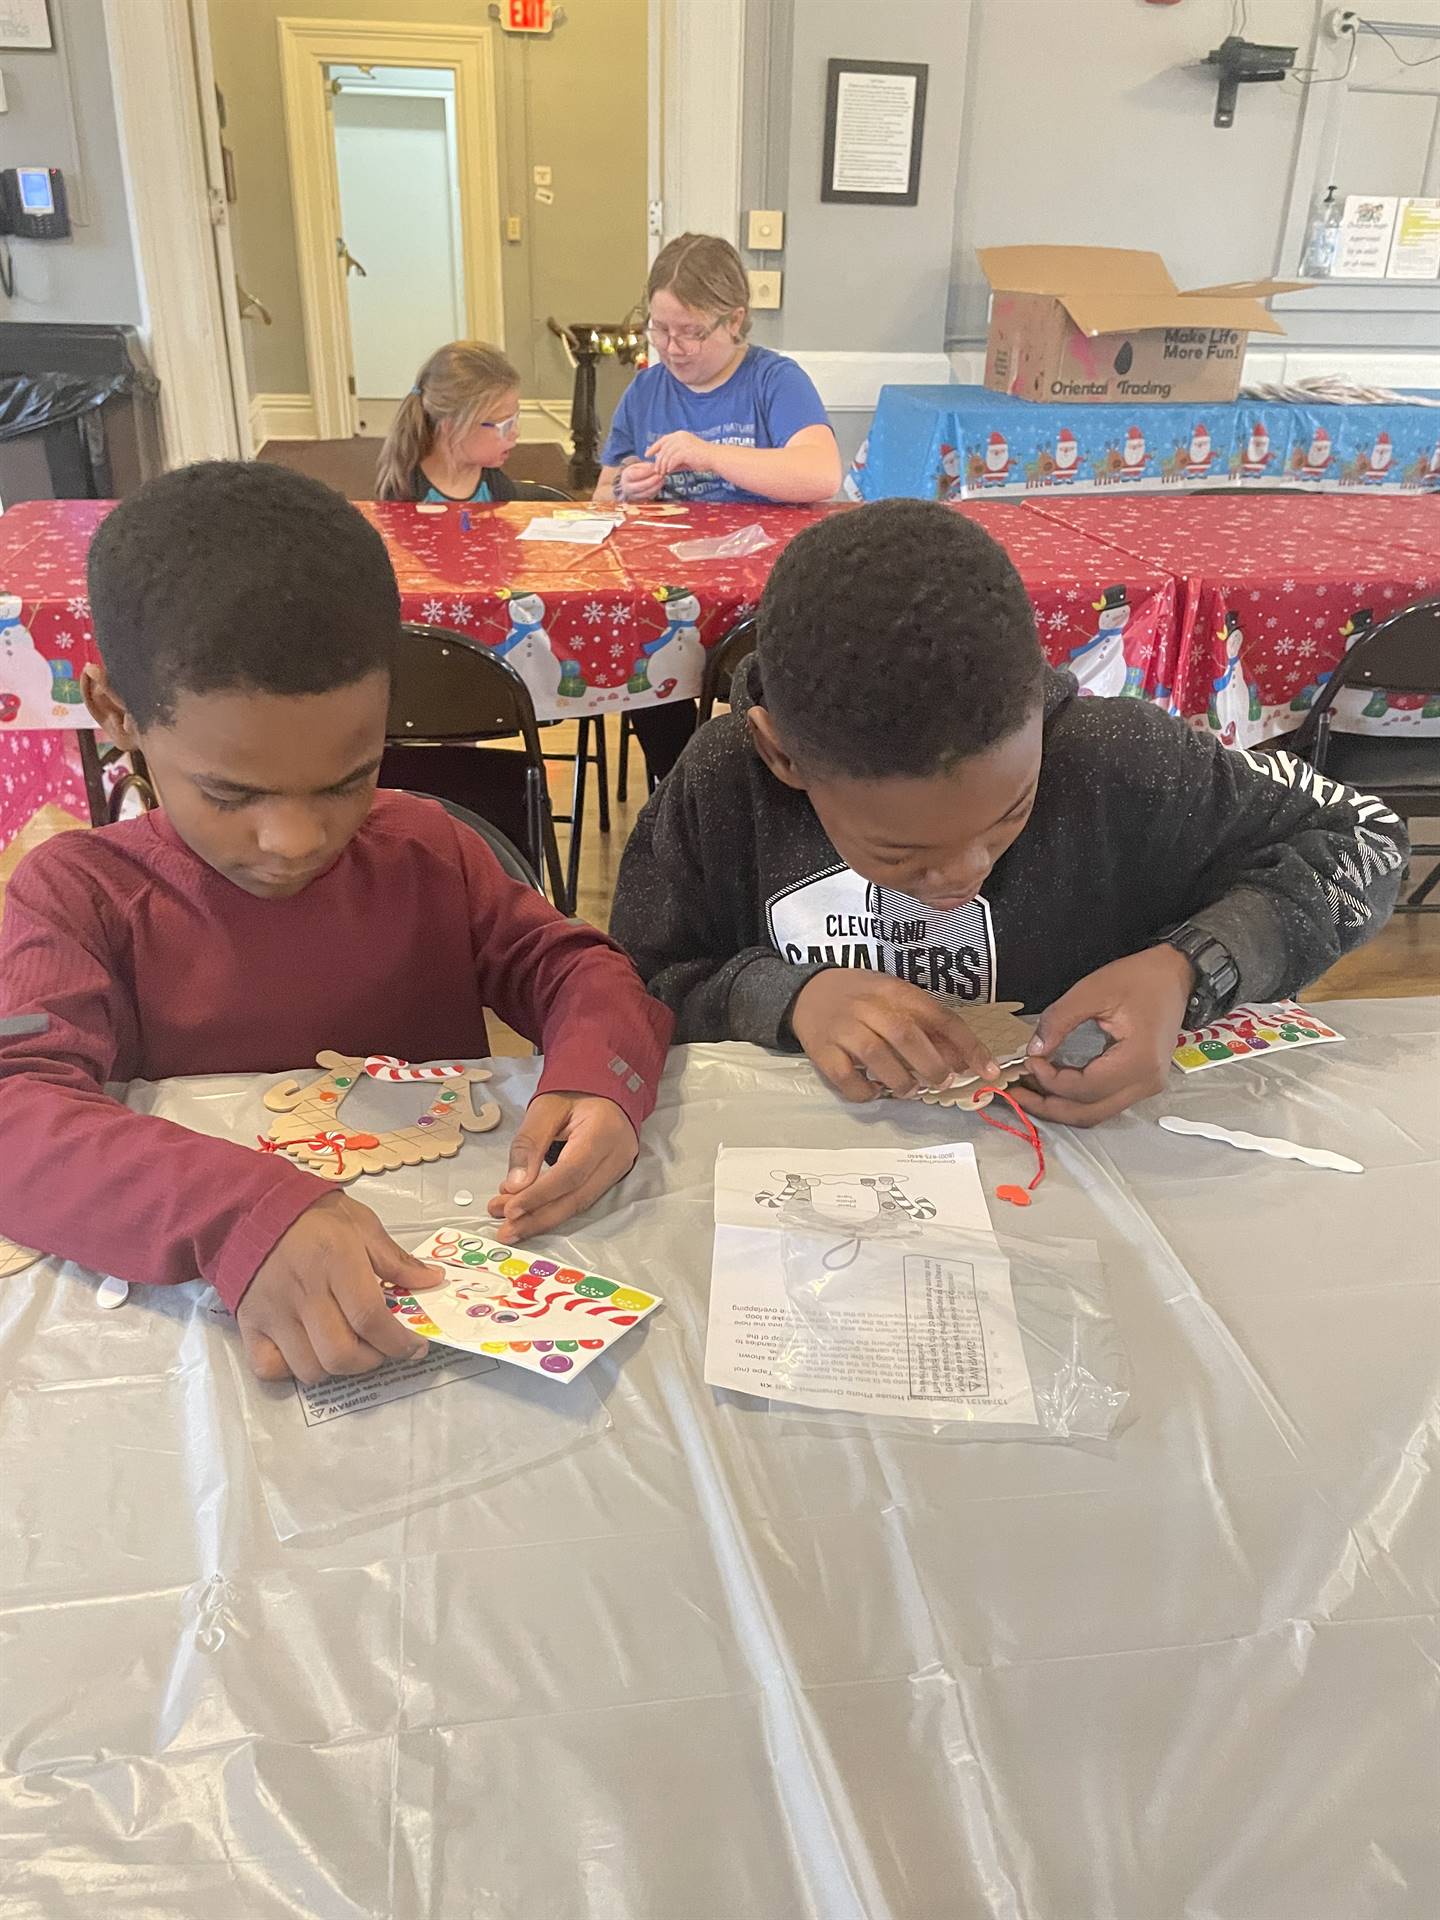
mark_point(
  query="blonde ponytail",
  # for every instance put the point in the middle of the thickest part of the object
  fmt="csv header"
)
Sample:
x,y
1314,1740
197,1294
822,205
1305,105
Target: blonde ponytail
x,y
406,445
459,384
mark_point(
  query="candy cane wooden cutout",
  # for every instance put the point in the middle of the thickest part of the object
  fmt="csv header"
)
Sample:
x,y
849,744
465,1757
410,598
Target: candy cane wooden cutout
x,y
308,1130
1262,1143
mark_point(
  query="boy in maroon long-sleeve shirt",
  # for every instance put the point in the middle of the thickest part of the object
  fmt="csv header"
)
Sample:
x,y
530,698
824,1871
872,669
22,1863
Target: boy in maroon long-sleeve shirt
x,y
274,905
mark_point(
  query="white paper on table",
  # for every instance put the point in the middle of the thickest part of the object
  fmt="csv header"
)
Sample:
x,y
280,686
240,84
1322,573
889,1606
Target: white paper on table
x,y
925,1331
576,531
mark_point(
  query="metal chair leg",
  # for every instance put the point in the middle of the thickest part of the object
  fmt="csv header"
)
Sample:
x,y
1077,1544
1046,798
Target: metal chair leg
x,y
622,781
544,848
577,814
94,778
602,769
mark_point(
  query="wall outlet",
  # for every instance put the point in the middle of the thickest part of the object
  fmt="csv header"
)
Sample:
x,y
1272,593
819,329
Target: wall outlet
x,y
764,287
766,232
542,177
512,227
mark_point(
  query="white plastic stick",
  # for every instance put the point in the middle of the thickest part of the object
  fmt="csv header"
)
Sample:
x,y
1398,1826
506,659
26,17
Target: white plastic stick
x,y
1262,1143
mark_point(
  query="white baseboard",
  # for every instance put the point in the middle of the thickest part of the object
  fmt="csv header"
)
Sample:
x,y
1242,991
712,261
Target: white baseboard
x,y
1369,366
851,382
545,422
282,416
291,416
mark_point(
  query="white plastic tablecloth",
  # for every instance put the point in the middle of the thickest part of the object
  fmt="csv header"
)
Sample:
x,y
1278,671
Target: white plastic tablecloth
x,y
696,1661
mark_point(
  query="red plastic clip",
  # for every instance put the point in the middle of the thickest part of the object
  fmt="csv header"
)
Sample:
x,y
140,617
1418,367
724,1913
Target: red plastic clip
x,y
1027,1131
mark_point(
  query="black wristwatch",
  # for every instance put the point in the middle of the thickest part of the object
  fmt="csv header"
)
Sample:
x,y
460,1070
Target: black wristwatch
x,y
1217,978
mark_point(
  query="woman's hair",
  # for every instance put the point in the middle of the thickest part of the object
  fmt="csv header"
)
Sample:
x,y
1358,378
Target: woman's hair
x,y
702,271
458,385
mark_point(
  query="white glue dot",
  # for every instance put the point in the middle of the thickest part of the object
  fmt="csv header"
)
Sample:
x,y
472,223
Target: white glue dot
x,y
464,1198
112,1293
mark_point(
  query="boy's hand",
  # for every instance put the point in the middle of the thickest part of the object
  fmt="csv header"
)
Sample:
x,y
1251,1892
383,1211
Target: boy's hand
x,y
674,451
600,1148
638,480
1140,1002
867,1034
316,1305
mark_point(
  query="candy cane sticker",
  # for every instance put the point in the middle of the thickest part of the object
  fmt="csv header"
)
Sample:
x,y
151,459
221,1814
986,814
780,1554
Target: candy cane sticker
x,y
387,1066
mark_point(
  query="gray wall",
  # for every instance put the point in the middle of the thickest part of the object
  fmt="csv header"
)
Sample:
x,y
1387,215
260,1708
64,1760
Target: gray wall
x,y
1080,121
62,114
871,277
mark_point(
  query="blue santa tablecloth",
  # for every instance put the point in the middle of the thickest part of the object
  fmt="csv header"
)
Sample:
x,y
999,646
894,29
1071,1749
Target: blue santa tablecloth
x,y
963,443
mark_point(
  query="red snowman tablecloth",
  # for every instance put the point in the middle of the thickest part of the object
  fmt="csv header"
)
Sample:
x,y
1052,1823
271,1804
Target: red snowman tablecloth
x,y
1106,616
1272,591
592,630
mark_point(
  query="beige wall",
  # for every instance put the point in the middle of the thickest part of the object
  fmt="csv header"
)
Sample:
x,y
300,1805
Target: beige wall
x,y
574,101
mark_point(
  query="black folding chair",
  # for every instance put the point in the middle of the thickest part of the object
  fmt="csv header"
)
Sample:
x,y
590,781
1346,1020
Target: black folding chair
x,y
721,663
511,859
450,692
1401,655
540,490
97,757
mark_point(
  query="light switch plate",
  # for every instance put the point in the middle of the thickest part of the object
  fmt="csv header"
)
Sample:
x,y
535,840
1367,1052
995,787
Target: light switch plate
x,y
767,232
542,176
764,287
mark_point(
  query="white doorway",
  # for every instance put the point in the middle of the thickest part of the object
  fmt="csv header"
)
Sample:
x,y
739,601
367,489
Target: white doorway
x,y
397,173
392,139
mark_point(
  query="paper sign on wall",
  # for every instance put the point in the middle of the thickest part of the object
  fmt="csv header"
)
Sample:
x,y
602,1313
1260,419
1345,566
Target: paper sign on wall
x,y
1364,248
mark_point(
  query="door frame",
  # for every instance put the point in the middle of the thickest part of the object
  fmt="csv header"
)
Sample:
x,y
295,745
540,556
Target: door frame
x,y
307,47
159,63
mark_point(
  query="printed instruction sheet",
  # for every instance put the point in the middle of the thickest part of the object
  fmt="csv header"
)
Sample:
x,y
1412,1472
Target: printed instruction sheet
x,y
869,1280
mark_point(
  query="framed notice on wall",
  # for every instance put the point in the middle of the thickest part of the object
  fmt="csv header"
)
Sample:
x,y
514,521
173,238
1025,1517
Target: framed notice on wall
x,y
24,23
874,121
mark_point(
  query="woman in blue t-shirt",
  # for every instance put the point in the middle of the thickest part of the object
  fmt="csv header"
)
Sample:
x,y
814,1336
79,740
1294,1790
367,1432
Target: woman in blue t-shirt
x,y
454,430
715,419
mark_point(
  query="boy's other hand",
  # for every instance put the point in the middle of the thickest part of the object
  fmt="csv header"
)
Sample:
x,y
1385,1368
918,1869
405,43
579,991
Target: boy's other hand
x,y
638,480
600,1147
1140,1002
673,452
316,1306
869,1034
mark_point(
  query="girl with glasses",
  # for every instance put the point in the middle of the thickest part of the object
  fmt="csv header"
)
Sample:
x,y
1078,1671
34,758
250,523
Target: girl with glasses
x,y
454,430
712,419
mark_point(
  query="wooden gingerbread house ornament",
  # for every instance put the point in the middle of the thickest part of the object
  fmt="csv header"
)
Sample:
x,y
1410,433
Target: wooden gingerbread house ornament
x,y
309,1127
996,1027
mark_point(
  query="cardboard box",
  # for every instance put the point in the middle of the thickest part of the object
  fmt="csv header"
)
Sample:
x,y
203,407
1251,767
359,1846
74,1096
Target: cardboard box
x,y
1108,323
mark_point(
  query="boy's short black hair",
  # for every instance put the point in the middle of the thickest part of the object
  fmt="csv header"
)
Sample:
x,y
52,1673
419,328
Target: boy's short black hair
x,y
896,639
236,574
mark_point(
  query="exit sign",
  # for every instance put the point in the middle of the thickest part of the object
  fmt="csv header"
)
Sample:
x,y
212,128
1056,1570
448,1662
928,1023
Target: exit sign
x,y
528,16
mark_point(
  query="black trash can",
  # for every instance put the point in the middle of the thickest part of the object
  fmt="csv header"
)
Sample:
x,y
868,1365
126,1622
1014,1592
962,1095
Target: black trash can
x,y
79,412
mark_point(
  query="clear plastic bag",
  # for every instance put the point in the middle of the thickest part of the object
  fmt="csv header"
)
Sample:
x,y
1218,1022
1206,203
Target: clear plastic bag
x,y
341,1457
730,546
954,1335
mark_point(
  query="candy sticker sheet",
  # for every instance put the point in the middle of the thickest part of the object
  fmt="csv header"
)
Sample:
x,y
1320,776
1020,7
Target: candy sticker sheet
x,y
1270,1027
519,1308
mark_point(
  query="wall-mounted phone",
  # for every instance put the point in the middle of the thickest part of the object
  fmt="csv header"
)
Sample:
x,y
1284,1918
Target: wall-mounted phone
x,y
32,203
